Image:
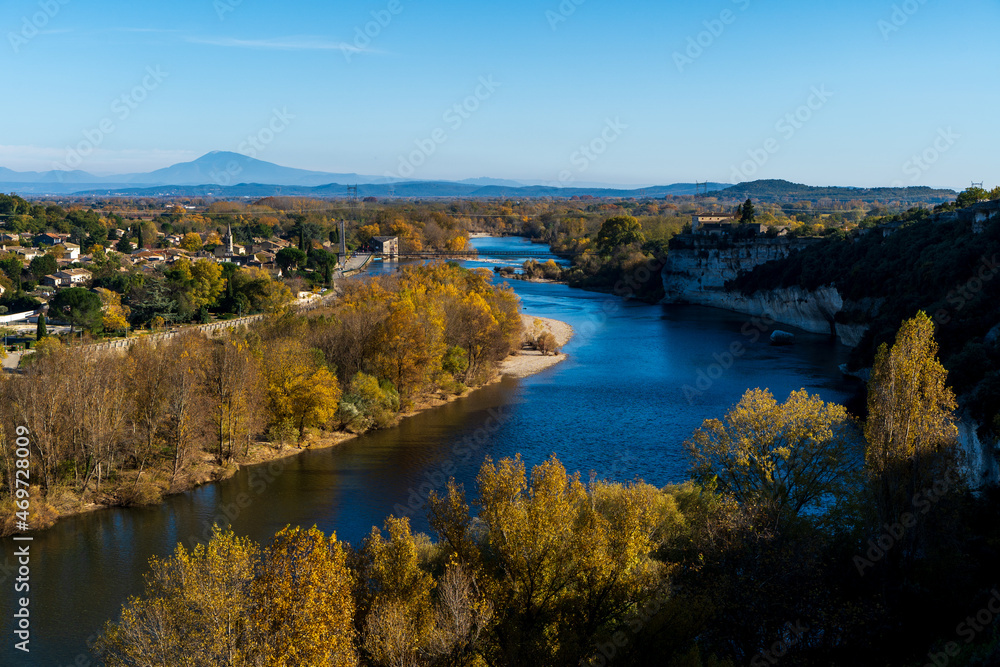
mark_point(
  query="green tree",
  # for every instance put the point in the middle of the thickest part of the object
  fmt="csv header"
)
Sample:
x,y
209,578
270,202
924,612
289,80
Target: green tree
x,y
124,245
43,265
78,306
288,258
971,196
12,267
41,331
746,212
325,262
619,231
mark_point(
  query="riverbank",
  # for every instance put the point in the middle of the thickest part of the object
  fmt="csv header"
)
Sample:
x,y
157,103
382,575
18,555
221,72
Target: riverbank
x,y
151,486
529,362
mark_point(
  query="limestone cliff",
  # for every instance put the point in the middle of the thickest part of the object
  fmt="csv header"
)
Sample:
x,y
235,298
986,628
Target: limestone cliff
x,y
696,272
698,268
981,455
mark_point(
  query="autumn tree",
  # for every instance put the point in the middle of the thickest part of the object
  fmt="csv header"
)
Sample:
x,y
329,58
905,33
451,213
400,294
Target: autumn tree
x,y
407,344
300,388
560,563
196,610
780,459
368,403
37,400
230,382
114,314
150,381
304,609
910,430
546,343
105,403
191,242
396,596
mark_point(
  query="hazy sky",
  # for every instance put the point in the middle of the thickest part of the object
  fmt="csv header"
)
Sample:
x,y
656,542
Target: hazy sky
x,y
824,92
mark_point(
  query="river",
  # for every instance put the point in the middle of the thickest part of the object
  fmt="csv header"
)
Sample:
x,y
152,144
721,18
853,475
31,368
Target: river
x,y
617,406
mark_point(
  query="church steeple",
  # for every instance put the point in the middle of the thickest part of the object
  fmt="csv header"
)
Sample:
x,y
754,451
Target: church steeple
x,y
229,238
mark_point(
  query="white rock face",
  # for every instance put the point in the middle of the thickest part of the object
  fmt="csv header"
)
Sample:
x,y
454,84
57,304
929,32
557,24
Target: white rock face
x,y
698,275
980,457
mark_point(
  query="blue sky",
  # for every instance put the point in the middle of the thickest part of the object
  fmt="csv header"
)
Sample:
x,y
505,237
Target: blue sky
x,y
826,93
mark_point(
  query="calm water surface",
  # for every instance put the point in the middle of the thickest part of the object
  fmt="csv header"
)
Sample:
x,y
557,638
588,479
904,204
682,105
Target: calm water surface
x,y
617,406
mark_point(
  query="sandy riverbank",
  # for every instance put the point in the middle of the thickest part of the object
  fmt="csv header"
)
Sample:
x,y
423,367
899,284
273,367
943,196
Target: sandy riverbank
x,y
529,362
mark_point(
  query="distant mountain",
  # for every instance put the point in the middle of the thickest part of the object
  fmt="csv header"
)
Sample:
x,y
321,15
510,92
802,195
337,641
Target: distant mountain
x,y
492,181
405,189
228,174
783,191
220,168
226,168
54,176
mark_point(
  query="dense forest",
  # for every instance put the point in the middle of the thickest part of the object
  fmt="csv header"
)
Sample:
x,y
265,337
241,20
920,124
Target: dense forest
x,y
805,538
125,428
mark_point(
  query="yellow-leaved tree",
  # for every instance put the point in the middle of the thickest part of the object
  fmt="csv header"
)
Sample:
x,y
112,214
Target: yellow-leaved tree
x,y
196,610
300,389
304,611
397,597
910,430
191,242
115,315
561,564
779,459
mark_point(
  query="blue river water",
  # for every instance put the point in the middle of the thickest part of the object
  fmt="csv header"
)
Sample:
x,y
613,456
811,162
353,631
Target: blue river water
x,y
638,379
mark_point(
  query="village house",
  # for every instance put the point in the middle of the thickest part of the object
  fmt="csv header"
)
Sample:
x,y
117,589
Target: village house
x,y
71,250
26,254
387,246
269,245
148,256
48,239
67,278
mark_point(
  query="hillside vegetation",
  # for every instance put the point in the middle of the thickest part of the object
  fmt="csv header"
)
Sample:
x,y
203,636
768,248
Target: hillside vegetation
x,y
893,267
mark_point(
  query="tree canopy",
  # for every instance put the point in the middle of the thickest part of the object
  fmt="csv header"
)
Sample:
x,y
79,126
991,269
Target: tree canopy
x,y
78,306
617,232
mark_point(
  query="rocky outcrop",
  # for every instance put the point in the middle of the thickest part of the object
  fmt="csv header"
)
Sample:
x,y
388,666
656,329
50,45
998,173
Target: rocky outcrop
x,y
696,271
981,456
698,268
